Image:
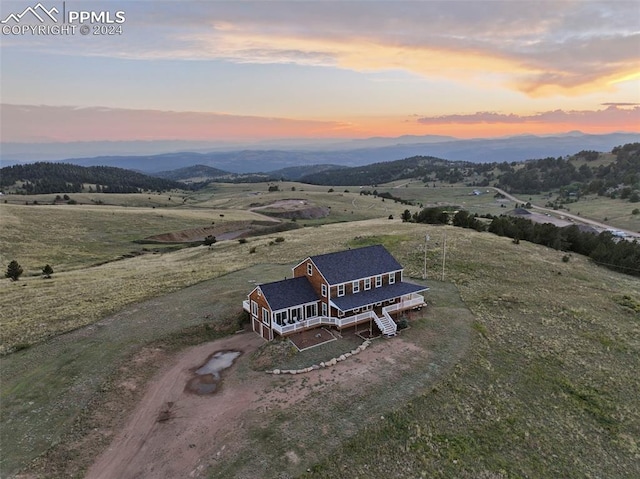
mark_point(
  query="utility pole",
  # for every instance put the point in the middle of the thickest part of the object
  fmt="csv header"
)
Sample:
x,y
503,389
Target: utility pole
x,y
444,252
424,269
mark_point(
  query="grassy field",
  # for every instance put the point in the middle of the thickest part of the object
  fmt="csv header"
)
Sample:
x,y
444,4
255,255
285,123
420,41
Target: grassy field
x,y
547,386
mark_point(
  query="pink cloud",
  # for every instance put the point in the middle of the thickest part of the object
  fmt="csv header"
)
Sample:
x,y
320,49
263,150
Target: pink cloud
x,y
22,123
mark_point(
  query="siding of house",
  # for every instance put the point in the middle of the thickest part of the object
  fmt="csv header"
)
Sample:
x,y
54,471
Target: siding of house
x,y
257,320
316,279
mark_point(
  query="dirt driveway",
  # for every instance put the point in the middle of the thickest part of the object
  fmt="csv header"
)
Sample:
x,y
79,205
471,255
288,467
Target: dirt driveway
x,y
173,433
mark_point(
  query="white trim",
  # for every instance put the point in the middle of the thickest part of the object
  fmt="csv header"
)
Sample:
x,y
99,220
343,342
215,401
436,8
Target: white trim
x,y
392,278
309,268
367,283
379,281
325,309
355,286
254,308
265,314
323,289
341,289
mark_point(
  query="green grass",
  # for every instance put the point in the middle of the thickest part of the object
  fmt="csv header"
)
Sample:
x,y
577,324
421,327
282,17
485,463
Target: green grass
x,y
617,212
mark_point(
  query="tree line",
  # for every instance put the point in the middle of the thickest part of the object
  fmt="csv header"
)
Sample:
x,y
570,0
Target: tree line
x,y
45,178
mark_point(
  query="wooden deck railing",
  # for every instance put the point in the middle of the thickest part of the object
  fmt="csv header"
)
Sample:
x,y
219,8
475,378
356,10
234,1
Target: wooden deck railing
x,y
415,301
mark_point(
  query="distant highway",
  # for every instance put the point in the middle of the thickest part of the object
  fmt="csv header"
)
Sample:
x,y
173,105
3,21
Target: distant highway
x,y
579,219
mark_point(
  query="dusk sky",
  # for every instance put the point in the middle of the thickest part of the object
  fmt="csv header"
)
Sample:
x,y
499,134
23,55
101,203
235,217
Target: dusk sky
x,y
317,69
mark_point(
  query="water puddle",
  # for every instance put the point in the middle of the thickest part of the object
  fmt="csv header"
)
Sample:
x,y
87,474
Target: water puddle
x,y
207,377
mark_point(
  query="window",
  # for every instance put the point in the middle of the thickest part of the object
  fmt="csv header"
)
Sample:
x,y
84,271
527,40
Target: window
x,y
356,310
309,269
312,310
392,278
265,316
324,309
378,281
254,308
341,290
367,283
355,286
324,290
379,304
340,314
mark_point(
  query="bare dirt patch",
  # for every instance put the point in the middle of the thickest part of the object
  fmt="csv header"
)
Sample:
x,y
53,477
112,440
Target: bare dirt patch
x,y
224,231
310,338
173,433
293,209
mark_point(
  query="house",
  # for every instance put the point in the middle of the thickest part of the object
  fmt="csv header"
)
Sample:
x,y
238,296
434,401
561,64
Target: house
x,y
341,290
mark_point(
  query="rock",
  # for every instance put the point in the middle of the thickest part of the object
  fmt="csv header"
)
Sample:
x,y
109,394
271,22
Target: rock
x,y
342,357
347,355
315,366
276,371
323,365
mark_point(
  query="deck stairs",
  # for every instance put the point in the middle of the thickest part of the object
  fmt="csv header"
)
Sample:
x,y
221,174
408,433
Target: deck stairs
x,y
386,324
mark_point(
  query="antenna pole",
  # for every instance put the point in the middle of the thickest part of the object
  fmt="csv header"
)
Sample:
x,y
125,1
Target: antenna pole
x,y
424,269
444,253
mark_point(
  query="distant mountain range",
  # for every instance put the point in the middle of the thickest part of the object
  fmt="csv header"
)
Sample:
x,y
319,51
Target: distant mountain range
x,y
304,153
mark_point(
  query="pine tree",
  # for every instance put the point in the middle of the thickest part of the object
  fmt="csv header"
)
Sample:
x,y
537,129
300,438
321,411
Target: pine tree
x,y
14,270
47,271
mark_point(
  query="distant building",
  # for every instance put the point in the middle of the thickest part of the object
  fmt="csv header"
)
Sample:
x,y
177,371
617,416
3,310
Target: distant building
x,y
340,289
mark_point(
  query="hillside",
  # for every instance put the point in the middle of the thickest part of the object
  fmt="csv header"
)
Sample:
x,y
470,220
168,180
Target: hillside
x,y
201,173
423,167
42,177
541,382
585,172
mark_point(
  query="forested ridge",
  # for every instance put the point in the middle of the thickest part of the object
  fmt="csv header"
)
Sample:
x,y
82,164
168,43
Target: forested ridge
x,y
44,177
581,173
427,168
619,177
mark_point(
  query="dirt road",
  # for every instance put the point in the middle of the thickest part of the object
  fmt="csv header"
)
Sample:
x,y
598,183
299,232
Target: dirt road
x,y
157,445
173,433
576,218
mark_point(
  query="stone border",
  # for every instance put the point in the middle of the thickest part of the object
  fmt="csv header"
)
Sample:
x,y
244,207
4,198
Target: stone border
x,y
324,364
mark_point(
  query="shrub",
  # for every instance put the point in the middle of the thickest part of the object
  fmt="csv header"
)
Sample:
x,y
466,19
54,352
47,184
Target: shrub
x,y
279,239
566,258
242,240
252,250
403,324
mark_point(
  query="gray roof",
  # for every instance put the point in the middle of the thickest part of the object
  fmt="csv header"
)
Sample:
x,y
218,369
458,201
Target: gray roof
x,y
357,263
288,292
376,295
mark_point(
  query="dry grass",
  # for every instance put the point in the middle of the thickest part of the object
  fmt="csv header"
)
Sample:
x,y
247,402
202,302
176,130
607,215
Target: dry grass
x,y
548,387
33,308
